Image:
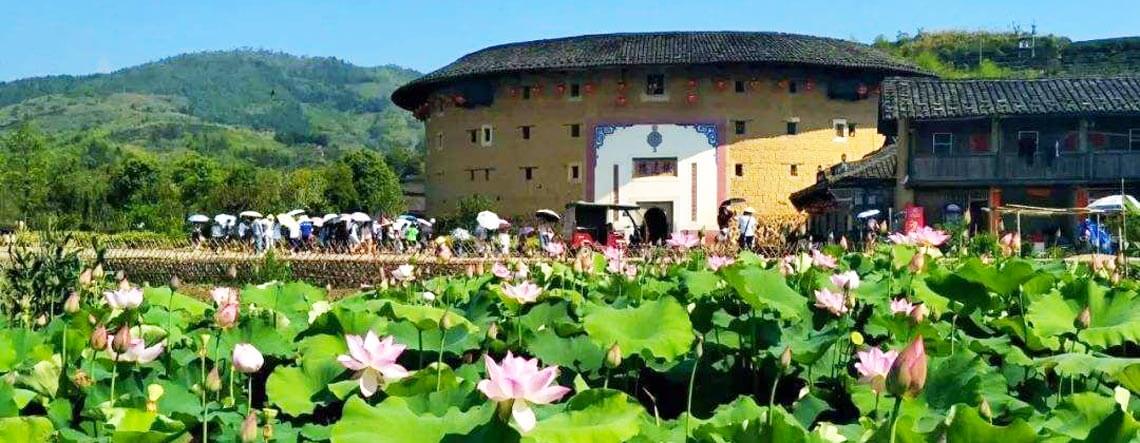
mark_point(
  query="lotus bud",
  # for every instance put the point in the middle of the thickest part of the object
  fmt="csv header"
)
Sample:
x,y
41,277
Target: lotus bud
x,y
967,218
843,243
231,272
470,271
917,263
985,410
175,283
98,273
41,320
613,356
122,340
446,321
1084,319
1115,279
120,276
786,359
227,315
124,284
908,372
480,268
700,346
71,305
383,284
493,331
918,313
205,339
81,379
91,319
85,277
1120,260
249,428
99,337
214,380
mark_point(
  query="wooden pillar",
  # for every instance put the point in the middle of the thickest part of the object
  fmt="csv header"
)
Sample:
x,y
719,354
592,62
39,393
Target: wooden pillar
x,y
995,214
903,194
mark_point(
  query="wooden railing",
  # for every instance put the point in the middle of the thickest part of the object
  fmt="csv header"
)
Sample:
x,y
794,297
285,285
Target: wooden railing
x,y
1005,168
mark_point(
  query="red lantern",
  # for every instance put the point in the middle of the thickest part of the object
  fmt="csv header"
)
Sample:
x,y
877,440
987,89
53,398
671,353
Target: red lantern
x,y
560,88
862,90
692,83
876,90
754,84
588,87
459,99
514,91
537,89
691,98
809,85
621,100
621,86
783,84
721,84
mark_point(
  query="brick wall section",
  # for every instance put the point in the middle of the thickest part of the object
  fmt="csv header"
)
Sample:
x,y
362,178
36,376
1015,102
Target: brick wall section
x,y
764,150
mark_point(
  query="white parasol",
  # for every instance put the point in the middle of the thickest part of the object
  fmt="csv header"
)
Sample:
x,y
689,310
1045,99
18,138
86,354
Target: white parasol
x,y
224,219
1113,203
488,220
360,217
198,218
250,214
548,215
868,213
295,212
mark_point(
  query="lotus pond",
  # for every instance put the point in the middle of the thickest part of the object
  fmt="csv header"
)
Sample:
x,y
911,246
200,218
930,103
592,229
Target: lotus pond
x,y
902,343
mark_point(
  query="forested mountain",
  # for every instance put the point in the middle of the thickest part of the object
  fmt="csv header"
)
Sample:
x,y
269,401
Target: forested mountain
x,y
210,132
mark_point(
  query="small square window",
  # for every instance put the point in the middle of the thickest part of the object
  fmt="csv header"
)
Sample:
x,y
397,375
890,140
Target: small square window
x,y
575,90
840,126
472,172
487,174
1134,139
439,141
488,135
573,173
655,84
793,128
739,86
850,129
526,92
473,134
575,130
528,172
525,132
794,170
739,169
740,127
942,142
792,87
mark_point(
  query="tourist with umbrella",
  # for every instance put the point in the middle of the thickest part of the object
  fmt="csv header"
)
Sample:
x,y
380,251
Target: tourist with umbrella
x,y
197,221
545,229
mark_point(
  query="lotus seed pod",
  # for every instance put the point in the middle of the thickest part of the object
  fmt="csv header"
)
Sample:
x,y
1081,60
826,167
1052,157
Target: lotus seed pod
x,y
85,277
122,340
231,272
120,276
71,305
99,337
81,379
98,273
175,283
613,356
786,358
1084,319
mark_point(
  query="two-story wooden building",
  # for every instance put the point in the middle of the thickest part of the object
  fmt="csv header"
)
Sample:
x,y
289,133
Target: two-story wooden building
x,y
973,145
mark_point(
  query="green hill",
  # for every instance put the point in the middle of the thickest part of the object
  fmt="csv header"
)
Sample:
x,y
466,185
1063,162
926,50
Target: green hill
x,y
259,97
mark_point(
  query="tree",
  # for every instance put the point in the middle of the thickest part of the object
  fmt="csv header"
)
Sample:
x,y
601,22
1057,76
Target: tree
x,y
195,178
377,187
25,169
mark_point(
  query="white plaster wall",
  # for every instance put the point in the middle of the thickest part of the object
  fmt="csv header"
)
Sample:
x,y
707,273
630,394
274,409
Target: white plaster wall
x,y
682,142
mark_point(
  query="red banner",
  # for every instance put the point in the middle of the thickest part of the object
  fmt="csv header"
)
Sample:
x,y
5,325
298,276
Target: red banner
x,y
915,219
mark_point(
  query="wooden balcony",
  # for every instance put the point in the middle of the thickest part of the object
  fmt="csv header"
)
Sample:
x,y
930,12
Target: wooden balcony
x,y
1106,167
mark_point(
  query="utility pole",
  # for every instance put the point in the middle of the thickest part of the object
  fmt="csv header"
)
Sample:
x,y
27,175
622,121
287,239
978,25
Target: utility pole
x,y
1033,40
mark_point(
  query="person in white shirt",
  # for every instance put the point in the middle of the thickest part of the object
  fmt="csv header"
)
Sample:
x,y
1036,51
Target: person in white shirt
x,y
747,225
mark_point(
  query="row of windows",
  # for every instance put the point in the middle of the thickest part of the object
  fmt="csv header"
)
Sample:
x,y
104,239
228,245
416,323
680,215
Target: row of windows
x,y
655,85
843,128
943,142
573,173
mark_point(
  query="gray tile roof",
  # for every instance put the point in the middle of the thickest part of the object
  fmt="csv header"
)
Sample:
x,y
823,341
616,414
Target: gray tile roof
x,y
658,48
928,98
877,167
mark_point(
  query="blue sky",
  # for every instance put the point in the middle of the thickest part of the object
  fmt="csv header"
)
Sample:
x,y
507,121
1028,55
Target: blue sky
x,y
83,36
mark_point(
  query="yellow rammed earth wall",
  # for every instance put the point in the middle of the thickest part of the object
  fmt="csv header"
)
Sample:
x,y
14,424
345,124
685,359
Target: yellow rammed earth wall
x,y
764,151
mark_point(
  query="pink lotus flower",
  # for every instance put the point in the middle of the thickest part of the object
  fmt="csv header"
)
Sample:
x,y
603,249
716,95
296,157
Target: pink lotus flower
x,y
873,367
522,271
501,271
822,260
929,237
683,240
899,238
900,306
247,359
831,301
630,271
519,383
124,298
555,248
846,280
1009,243
223,296
715,262
374,360
613,254
137,351
404,273
525,292
787,267
227,315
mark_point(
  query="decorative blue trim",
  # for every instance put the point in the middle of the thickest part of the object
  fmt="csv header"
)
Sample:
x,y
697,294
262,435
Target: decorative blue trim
x,y
601,131
654,138
709,131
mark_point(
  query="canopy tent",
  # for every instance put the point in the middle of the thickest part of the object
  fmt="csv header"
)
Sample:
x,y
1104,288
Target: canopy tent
x,y
1098,237
1113,203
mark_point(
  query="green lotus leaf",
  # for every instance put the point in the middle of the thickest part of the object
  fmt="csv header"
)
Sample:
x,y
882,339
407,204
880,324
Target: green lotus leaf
x,y
783,427
658,328
410,419
173,301
1119,427
596,415
967,425
26,429
577,352
292,390
1079,363
426,318
1076,416
766,289
737,421
700,283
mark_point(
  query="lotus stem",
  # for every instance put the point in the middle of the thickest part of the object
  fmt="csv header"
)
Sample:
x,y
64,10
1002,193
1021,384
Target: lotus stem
x,y
877,396
895,417
205,392
420,339
689,400
114,374
439,362
249,394
772,397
